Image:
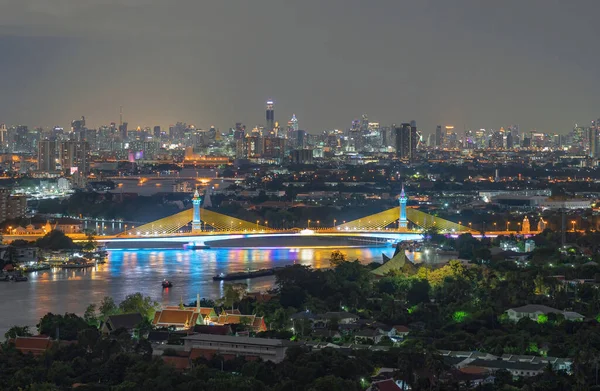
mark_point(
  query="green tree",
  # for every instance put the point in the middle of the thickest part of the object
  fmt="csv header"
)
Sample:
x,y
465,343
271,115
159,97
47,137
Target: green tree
x,y
137,302
107,307
337,258
17,331
64,327
90,243
56,240
90,315
233,293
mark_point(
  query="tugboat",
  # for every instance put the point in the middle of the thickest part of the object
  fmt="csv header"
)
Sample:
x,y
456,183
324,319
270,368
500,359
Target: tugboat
x,y
166,284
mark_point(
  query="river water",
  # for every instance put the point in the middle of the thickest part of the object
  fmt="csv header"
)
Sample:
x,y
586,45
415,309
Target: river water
x,y
130,271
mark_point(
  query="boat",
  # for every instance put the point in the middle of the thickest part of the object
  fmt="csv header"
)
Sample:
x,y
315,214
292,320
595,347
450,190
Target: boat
x,y
77,263
244,275
37,267
167,284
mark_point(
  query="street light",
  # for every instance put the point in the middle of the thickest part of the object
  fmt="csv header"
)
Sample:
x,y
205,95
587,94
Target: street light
x,y
334,221
308,224
573,222
507,224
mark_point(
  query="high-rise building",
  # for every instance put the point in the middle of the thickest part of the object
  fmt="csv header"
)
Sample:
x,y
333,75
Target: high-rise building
x,y
450,139
439,136
78,125
156,132
75,157
509,139
11,207
594,148
3,137
47,156
407,139
270,116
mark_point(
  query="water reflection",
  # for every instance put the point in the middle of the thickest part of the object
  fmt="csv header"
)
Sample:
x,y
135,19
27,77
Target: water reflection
x,y
130,271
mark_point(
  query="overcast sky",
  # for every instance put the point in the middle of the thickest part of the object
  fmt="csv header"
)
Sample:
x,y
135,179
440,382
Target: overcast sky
x,y
468,63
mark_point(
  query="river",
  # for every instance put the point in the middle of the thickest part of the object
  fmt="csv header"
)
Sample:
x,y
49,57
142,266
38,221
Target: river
x,y
130,271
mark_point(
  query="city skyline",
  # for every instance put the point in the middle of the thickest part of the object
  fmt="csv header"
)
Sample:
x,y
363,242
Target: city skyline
x,y
466,63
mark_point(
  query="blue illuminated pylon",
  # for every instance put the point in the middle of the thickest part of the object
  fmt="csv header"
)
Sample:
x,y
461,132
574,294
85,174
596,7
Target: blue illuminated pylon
x,y
196,222
403,222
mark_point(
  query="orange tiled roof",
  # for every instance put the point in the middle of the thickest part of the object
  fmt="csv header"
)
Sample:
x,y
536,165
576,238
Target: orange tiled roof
x,y
180,363
34,345
175,317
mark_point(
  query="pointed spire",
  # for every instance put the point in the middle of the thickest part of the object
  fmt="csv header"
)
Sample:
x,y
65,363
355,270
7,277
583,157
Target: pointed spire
x,y
196,194
402,194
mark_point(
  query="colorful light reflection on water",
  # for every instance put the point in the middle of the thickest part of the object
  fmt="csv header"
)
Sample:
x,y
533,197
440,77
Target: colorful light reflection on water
x,y
129,271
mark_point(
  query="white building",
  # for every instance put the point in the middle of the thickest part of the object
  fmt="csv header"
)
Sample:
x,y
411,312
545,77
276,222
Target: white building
x,y
226,345
533,311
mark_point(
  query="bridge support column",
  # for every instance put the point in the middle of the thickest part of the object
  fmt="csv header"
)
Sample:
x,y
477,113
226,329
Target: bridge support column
x,y
403,222
196,222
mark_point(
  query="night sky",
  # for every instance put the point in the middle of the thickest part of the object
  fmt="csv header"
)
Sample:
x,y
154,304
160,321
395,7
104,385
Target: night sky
x,y
472,64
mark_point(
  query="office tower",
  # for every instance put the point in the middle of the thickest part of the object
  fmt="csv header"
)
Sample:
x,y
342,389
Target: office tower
x,y
78,125
156,132
239,132
509,139
497,140
3,137
439,136
293,123
274,147
302,156
123,131
75,157
47,156
407,140
450,139
270,115
364,123
594,148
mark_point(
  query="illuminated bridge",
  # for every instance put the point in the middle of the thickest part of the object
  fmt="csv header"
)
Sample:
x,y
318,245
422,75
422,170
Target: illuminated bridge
x,y
198,227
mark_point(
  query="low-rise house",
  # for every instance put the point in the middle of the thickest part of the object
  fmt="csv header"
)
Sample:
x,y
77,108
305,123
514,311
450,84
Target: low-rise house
x,y
401,331
533,311
128,322
158,337
517,369
207,345
386,385
368,336
326,334
341,317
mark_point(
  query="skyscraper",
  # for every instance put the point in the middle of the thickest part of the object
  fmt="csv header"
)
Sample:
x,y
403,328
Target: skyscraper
x,y
594,148
75,157
407,140
270,114
47,156
439,136
156,132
